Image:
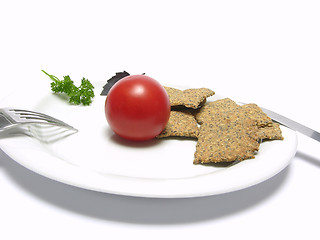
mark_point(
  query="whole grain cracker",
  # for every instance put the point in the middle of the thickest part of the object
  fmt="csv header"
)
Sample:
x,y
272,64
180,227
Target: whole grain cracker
x,y
270,132
211,111
230,132
180,124
254,111
226,140
190,98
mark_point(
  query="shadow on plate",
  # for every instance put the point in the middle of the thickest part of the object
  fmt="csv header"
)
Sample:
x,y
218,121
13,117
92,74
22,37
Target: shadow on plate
x,y
119,140
315,161
140,210
134,144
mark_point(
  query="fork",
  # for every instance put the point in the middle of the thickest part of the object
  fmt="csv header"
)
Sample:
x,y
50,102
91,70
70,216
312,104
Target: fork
x,y
11,118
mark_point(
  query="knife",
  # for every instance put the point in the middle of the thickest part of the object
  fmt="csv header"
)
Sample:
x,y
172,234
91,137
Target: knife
x,y
292,124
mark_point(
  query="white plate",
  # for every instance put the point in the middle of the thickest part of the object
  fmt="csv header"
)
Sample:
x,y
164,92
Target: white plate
x,y
96,159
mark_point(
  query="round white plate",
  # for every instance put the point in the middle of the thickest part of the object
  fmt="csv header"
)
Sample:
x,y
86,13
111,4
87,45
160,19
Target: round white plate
x,y
96,159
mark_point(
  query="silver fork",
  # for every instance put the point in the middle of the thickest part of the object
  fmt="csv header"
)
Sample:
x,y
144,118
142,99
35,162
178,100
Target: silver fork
x,y
11,118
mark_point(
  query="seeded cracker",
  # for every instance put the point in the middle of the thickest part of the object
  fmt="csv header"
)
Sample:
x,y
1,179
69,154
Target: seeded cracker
x,y
253,111
268,130
190,98
272,132
216,110
180,124
226,140
228,132
211,111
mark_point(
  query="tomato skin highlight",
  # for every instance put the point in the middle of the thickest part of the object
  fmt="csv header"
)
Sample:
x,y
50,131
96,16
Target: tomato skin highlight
x,y
137,108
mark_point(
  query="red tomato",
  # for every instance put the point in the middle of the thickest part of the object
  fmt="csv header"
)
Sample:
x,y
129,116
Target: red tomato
x,y
137,108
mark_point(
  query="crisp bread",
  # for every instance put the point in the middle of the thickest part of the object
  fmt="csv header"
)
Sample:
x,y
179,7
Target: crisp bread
x,y
226,140
214,110
254,111
181,124
190,98
228,132
231,132
270,132
219,109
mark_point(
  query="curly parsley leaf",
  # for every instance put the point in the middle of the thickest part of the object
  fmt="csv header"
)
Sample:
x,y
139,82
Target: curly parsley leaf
x,y
86,92
77,95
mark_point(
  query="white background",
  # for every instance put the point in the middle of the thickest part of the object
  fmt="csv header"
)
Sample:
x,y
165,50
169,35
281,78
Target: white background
x,y
267,52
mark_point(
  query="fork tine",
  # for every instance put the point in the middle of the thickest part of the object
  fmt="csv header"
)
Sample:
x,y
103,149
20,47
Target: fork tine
x,y
51,123
27,112
35,115
41,118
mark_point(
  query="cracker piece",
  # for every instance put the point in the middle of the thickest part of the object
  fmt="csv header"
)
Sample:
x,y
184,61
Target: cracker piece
x,y
190,98
180,124
216,110
227,140
254,111
230,132
270,132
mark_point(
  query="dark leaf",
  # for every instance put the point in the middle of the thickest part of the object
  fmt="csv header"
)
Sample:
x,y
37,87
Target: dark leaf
x,y
112,81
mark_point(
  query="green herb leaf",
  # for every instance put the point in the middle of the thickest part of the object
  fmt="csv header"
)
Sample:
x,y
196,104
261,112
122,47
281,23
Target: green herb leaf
x,y
77,95
86,91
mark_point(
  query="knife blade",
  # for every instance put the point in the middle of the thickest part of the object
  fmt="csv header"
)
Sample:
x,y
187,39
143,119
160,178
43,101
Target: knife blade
x,y
292,124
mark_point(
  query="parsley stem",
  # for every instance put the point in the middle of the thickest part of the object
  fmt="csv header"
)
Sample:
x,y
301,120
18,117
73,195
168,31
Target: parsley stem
x,y
77,95
54,78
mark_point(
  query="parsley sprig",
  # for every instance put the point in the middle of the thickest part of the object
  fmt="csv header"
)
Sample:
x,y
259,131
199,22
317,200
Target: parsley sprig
x,y
77,95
